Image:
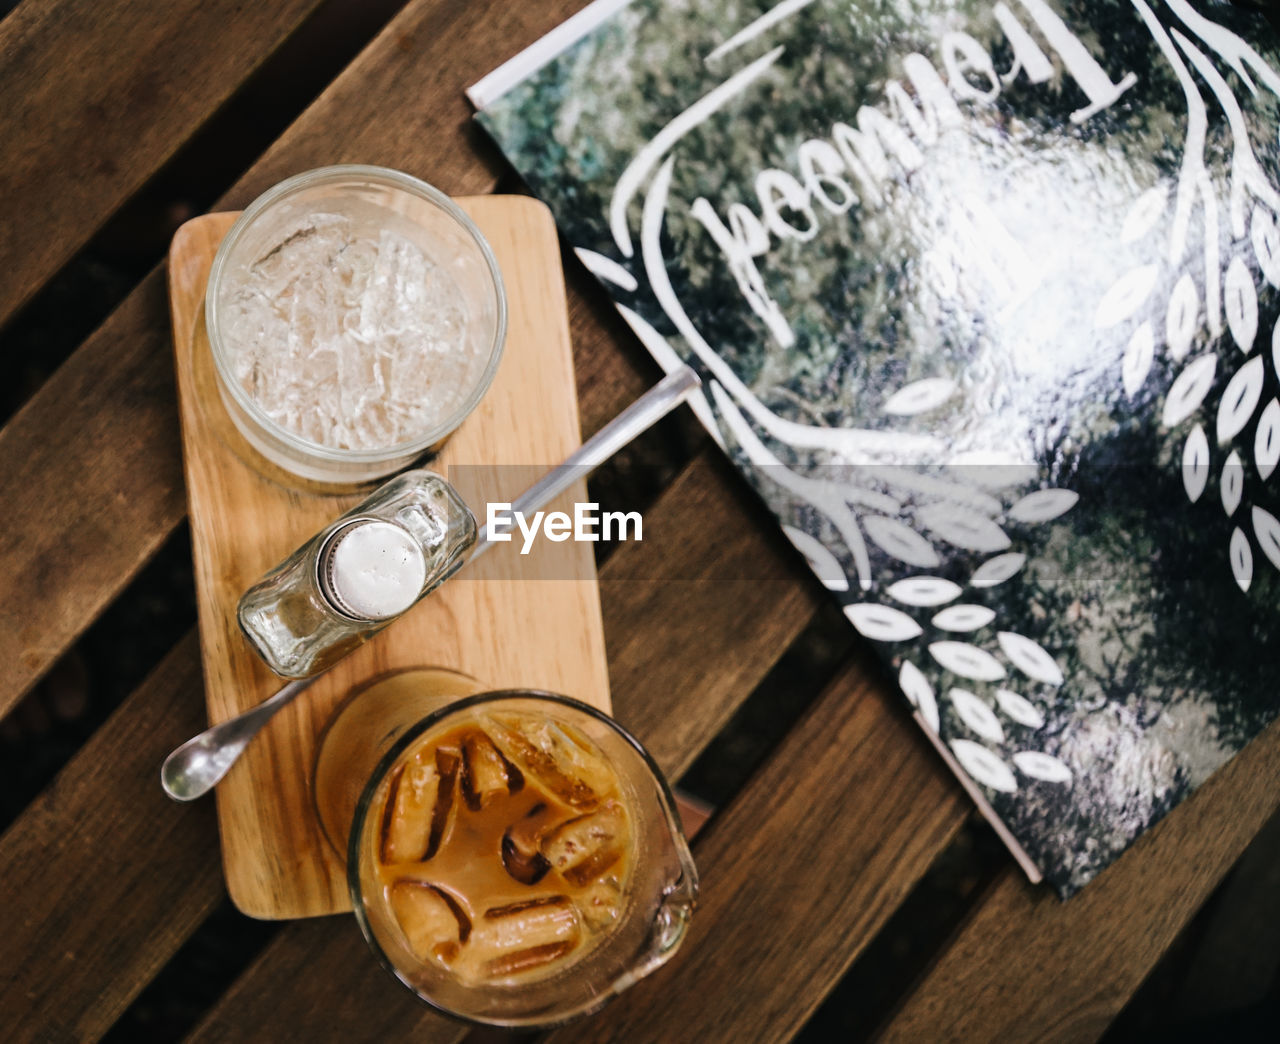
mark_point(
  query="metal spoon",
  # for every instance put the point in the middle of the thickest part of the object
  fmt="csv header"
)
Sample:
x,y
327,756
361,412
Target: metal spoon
x,y
197,766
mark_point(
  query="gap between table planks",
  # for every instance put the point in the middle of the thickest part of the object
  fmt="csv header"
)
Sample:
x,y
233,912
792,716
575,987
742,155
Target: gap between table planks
x,y
510,620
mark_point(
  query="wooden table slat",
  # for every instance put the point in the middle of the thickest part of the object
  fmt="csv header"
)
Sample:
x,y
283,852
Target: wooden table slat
x,y
91,477
317,981
104,877
1027,966
97,96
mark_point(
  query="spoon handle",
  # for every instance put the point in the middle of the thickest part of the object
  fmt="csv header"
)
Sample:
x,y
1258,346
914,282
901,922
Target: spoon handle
x,y
193,769
636,419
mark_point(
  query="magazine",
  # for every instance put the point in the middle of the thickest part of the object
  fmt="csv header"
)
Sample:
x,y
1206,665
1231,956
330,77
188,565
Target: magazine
x,y
984,298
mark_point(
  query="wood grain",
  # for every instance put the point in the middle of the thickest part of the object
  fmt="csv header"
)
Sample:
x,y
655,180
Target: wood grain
x,y
511,620
401,102
96,97
89,502
798,874
1237,959
91,476
104,878
698,612
1028,967
743,629
318,981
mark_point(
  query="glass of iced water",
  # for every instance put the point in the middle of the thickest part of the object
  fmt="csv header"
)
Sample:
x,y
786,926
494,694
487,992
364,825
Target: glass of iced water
x,y
356,316
514,857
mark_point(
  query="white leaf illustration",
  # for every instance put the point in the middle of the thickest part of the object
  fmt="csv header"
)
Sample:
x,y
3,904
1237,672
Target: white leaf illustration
x,y
1267,530
1144,213
1189,390
1240,398
606,268
977,715
962,527
920,396
1240,297
1266,440
1129,293
881,623
1195,463
1030,658
1232,483
912,681
1137,359
967,660
998,569
1043,504
984,766
1039,765
1181,319
1241,559
964,618
900,541
918,690
823,563
1019,708
923,590
1266,244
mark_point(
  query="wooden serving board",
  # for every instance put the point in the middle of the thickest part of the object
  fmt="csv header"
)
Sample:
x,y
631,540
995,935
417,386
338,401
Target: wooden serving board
x,y
510,620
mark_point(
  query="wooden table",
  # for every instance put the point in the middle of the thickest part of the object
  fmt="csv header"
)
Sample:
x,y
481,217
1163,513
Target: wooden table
x,y
102,879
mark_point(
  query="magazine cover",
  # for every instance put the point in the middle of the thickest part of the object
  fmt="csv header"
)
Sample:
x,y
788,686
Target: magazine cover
x,y
984,296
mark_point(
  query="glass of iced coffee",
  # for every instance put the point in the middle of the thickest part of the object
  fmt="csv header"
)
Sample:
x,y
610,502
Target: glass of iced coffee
x,y
514,857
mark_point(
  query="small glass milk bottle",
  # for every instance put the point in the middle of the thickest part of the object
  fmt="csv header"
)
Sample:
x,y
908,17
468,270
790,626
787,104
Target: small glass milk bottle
x,y
358,574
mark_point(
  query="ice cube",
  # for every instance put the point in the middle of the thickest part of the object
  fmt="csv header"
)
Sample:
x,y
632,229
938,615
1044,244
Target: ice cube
x,y
411,805
485,774
584,848
432,925
525,935
448,765
371,300
522,841
526,960
565,764
600,903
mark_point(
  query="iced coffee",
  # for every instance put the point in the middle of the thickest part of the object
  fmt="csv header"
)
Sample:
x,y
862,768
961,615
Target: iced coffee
x,y
514,857
505,847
